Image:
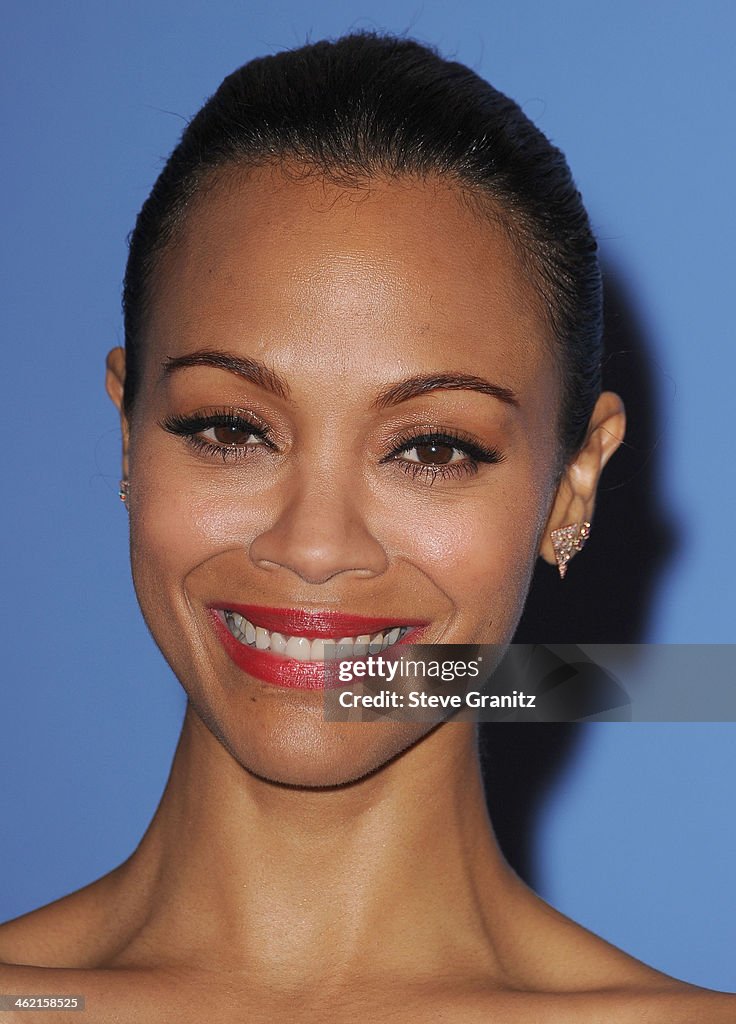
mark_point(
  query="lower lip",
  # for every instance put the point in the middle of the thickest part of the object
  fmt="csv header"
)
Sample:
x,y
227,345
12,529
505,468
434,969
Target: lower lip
x,y
288,672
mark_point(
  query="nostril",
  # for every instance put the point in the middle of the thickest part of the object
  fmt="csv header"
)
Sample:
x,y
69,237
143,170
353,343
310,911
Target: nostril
x,y
318,556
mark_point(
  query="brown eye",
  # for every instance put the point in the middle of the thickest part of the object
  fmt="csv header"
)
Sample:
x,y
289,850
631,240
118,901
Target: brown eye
x,y
232,435
431,453
228,434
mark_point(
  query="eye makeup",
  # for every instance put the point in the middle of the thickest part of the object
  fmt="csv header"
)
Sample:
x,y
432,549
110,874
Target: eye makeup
x,y
425,453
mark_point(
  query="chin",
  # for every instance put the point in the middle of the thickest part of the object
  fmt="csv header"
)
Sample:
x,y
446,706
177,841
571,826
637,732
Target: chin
x,y
298,748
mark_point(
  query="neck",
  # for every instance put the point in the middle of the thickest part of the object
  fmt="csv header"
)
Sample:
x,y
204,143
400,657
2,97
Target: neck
x,y
390,871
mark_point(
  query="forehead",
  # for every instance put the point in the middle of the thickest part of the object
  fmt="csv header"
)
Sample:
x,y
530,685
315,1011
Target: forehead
x,y
294,269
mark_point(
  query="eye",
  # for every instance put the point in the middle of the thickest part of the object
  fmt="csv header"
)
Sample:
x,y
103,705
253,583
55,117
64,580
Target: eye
x,y
439,455
226,433
434,453
232,435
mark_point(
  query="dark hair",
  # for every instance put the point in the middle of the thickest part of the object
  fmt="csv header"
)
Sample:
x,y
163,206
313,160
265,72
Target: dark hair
x,y
371,104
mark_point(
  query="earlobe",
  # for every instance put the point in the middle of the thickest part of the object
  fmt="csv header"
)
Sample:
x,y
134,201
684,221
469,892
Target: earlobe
x,y
572,508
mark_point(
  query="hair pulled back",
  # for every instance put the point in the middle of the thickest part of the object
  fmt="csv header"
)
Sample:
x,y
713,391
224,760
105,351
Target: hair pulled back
x,y
371,104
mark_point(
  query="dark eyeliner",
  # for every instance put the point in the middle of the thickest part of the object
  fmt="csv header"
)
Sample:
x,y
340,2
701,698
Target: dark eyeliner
x,y
186,426
476,453
189,427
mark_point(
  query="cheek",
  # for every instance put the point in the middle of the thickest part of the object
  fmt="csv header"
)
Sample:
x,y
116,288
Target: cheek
x,y
179,519
183,514
479,550
186,544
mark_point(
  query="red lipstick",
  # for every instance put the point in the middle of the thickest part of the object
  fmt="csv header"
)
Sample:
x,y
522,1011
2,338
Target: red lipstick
x,y
326,624
323,624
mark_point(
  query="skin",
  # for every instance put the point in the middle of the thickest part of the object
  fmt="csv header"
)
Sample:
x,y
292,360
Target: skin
x,y
312,870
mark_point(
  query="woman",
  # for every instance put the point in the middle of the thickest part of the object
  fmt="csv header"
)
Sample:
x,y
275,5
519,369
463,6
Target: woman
x,y
360,395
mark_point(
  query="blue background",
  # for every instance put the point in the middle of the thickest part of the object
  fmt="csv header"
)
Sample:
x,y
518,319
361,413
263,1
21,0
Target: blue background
x,y
637,837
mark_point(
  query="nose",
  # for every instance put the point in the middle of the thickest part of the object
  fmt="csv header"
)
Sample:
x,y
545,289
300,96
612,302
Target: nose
x,y
320,533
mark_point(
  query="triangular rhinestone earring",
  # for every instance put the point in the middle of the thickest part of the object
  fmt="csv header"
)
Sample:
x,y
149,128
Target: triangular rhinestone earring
x,y
124,491
566,541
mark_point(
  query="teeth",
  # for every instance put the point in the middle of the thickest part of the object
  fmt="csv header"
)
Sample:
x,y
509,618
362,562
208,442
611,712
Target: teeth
x,y
298,647
278,644
376,644
235,622
360,647
391,637
301,648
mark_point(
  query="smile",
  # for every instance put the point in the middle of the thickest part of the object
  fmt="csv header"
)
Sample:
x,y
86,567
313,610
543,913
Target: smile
x,y
305,648
295,648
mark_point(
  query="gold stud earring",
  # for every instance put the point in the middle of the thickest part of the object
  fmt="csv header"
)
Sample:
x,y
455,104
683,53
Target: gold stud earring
x,y
566,541
124,490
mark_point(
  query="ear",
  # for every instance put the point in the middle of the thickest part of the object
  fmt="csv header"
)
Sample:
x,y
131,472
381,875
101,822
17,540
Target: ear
x,y
575,498
114,385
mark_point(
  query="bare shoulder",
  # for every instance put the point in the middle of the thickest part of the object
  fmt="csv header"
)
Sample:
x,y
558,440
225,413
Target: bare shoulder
x,y
632,992
108,996
75,930
18,981
581,978
56,951
707,1006
676,1003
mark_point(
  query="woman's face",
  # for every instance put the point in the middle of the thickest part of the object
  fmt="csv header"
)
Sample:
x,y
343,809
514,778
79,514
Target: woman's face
x,y
348,404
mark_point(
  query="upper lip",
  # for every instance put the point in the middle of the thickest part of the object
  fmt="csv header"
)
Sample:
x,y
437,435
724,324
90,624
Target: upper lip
x,y
323,623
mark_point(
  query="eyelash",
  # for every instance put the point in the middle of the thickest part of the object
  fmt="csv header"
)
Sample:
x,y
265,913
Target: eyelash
x,y
476,453
189,427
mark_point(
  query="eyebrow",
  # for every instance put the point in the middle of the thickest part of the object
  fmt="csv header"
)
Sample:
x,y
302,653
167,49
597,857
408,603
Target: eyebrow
x,y
249,369
258,373
423,384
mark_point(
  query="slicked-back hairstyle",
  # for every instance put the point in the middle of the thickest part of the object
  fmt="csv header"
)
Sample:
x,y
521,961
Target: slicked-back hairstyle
x,y
369,105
